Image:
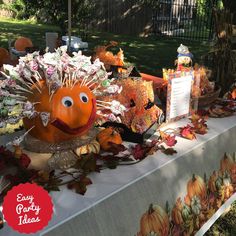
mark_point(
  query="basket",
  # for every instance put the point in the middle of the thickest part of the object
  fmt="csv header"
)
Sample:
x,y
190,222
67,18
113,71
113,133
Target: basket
x,y
208,99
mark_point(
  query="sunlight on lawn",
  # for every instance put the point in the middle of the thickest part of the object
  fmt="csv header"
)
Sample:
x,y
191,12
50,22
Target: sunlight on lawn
x,y
149,54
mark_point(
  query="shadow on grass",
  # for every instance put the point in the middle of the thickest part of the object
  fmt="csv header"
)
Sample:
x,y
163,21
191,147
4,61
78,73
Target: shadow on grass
x,y
150,54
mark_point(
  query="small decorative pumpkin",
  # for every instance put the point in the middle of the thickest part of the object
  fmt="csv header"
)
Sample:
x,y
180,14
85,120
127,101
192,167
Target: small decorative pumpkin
x,y
69,114
4,56
227,186
108,136
233,173
22,43
228,191
186,212
92,147
219,183
226,163
196,187
176,212
154,220
196,205
212,182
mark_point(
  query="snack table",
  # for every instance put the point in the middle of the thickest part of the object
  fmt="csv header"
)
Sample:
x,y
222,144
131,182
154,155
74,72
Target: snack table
x,y
114,203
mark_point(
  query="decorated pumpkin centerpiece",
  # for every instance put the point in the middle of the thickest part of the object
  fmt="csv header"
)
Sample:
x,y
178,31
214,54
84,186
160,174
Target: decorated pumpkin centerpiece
x,y
55,96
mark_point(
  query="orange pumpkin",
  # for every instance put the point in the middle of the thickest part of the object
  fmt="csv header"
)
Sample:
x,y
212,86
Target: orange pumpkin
x,y
226,163
4,56
233,173
196,187
22,43
108,136
154,220
72,112
177,212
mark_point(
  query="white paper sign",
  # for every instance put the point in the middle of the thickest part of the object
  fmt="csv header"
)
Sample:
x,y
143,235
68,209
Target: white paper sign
x,y
180,96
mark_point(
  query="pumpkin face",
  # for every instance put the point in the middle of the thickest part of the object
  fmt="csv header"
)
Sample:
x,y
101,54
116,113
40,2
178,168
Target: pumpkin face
x,y
69,113
196,187
155,220
108,136
22,43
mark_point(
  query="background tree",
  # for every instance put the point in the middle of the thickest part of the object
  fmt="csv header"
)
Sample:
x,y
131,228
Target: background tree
x,y
56,12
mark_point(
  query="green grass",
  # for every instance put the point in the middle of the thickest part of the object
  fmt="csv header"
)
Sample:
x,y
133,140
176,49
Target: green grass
x,y
225,225
11,29
150,54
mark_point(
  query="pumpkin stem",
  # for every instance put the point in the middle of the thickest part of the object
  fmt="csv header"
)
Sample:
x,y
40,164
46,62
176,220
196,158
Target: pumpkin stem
x,y
193,178
150,209
225,156
205,178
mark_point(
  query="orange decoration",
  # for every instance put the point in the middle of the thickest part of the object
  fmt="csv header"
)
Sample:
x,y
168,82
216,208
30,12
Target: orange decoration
x,y
107,57
72,112
177,212
4,56
212,182
108,136
226,163
228,191
196,187
22,43
233,94
154,220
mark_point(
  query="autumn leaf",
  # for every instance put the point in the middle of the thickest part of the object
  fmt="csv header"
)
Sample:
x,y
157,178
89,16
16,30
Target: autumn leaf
x,y
80,185
116,148
167,151
199,123
168,139
138,152
200,128
195,118
187,132
87,163
171,140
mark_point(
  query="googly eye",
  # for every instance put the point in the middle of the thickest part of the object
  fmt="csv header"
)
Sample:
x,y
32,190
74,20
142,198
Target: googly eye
x,y
84,97
67,101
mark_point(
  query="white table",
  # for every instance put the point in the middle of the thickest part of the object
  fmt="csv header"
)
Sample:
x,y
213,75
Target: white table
x,y
115,202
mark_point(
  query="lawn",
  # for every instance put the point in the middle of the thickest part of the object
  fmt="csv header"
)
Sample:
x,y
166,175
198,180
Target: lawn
x,y
150,54
225,225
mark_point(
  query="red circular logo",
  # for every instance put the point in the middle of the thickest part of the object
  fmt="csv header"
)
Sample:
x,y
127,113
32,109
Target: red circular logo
x,y
27,208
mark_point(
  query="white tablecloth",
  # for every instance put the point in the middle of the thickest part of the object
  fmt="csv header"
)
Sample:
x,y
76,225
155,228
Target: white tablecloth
x,y
115,202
